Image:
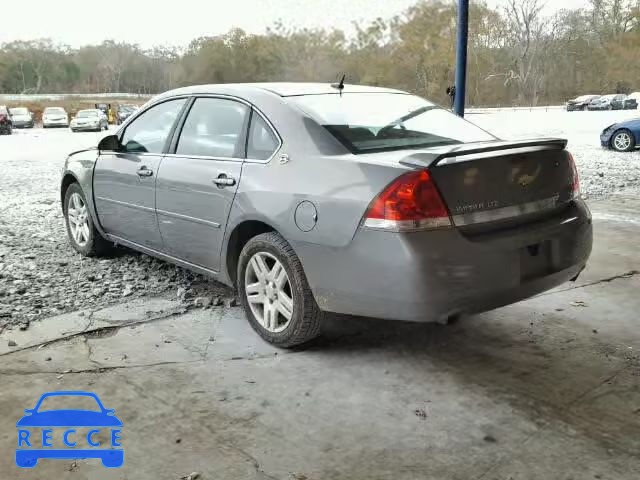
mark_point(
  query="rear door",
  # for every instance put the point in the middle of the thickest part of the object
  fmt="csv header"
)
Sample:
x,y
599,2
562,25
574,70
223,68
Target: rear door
x,y
199,178
124,181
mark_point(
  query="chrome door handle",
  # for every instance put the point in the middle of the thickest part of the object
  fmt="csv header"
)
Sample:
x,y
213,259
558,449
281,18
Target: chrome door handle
x,y
144,172
224,181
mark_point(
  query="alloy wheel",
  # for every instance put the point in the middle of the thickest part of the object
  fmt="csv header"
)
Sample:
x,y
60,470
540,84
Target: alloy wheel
x,y
268,292
78,218
622,141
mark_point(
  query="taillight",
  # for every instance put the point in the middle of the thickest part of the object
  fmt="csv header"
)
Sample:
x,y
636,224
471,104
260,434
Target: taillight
x,y
412,202
576,178
3,117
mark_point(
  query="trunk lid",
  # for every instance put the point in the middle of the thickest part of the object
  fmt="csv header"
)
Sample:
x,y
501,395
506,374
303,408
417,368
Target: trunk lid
x,y
494,185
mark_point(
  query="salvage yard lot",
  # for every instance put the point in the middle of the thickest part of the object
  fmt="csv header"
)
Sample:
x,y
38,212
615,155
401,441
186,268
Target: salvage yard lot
x,y
548,388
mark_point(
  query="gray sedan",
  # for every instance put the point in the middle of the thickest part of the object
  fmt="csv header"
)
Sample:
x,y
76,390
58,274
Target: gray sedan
x,y
314,198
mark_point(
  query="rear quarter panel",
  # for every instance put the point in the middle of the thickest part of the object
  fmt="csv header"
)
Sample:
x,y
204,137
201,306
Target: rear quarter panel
x,y
318,169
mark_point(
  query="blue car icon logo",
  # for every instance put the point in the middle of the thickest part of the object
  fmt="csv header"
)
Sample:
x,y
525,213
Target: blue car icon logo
x,y
36,438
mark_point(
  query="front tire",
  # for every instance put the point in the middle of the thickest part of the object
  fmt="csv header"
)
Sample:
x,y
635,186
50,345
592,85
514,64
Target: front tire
x,y
83,235
275,293
623,141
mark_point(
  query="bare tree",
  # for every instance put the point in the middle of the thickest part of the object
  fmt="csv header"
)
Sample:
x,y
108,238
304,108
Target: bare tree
x,y
529,35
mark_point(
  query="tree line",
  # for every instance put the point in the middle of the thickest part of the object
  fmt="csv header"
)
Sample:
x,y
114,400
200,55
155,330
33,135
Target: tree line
x,y
519,54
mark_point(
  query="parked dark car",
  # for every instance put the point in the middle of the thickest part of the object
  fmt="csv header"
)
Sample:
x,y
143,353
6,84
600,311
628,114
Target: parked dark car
x,y
624,102
124,112
623,136
6,125
314,198
580,103
601,103
21,117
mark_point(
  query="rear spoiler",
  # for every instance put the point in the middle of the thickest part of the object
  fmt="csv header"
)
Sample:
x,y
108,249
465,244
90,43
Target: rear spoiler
x,y
424,159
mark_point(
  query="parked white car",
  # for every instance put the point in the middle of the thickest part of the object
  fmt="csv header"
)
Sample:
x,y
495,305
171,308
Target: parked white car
x,y
89,120
55,117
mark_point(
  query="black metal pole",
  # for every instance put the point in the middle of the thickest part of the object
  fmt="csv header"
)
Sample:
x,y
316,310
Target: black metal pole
x,y
461,57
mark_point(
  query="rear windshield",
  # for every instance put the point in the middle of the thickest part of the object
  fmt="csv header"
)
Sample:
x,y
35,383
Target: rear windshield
x,y
373,122
54,110
87,113
19,111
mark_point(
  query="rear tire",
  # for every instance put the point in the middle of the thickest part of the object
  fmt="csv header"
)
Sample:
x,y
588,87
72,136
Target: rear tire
x,y
83,235
623,141
279,288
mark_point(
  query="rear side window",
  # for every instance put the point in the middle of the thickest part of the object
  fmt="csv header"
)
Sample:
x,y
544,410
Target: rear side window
x,y
262,141
213,128
149,132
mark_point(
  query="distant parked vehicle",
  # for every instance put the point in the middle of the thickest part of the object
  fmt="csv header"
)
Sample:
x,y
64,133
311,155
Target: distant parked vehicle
x,y
636,96
55,117
124,112
580,103
602,103
89,120
5,121
623,136
21,117
624,102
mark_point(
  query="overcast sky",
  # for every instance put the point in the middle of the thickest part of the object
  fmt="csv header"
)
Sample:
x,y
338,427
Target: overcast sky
x,y
148,22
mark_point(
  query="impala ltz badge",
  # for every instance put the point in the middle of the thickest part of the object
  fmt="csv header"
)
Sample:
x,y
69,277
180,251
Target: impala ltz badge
x,y
69,433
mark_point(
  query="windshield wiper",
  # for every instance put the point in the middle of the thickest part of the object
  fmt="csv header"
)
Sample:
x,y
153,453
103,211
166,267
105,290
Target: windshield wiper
x,y
409,116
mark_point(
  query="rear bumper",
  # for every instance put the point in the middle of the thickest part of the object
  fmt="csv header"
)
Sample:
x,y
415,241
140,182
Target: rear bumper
x,y
22,124
85,128
426,276
55,123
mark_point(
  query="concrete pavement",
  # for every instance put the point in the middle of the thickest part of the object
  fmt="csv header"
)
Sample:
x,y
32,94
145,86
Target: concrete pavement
x,y
545,389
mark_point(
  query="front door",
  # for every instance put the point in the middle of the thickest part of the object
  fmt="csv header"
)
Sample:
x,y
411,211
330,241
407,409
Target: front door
x,y
124,181
197,184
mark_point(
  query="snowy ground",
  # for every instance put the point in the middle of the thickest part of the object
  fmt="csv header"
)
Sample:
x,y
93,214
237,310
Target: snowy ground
x,y
40,275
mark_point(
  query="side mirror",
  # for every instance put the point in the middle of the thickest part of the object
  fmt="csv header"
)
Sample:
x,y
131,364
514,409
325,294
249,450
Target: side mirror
x,y
109,143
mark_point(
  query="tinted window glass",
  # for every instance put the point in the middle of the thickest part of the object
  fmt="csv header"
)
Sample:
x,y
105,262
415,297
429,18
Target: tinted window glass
x,y
148,133
262,141
213,129
367,122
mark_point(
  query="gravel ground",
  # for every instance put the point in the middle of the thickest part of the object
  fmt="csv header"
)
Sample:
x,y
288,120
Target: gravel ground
x,y
40,275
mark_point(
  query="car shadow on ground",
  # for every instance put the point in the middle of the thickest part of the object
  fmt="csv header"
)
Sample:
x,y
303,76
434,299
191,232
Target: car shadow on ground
x,y
551,373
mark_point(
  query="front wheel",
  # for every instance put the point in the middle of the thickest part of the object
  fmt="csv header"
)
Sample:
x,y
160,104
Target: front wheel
x,y
275,293
83,235
623,141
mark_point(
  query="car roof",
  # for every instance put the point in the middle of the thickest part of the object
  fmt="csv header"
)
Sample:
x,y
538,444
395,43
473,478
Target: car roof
x,y
283,89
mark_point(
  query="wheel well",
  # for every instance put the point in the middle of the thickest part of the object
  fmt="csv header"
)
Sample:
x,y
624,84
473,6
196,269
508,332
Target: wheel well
x,y
238,239
66,181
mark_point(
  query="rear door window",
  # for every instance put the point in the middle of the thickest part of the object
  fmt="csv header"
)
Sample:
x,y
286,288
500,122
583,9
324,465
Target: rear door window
x,y
263,142
214,128
149,132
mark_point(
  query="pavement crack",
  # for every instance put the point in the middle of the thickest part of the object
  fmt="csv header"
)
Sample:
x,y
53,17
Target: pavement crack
x,y
629,274
102,331
92,370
